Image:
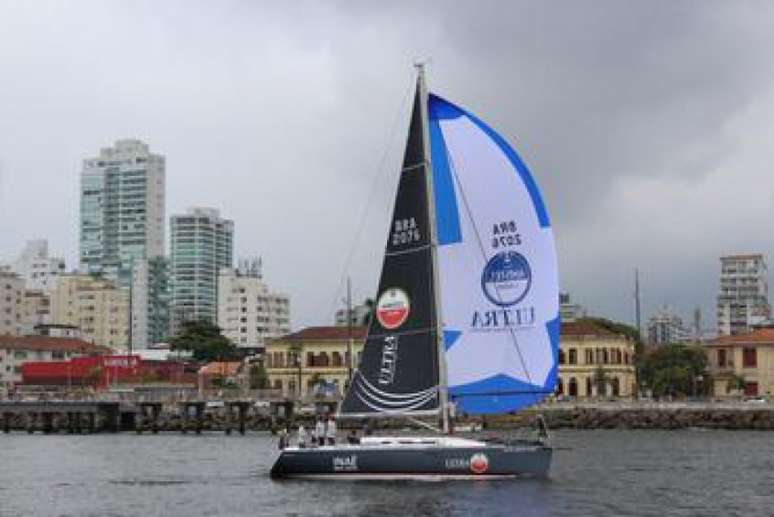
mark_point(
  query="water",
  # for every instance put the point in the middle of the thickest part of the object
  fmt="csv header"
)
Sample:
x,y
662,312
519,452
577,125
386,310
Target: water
x,y
658,473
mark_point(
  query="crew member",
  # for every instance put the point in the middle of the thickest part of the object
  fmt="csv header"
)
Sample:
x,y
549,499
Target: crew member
x,y
320,431
330,431
301,437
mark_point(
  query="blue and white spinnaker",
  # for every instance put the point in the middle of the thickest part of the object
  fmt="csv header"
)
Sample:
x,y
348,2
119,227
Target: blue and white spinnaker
x,y
497,267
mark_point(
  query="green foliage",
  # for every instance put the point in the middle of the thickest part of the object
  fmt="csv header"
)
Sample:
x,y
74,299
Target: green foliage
x,y
675,370
259,380
205,342
735,383
618,328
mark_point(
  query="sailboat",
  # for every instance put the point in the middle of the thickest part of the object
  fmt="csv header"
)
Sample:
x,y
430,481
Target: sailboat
x,y
466,314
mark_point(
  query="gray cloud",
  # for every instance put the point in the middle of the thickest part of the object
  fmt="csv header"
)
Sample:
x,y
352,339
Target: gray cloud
x,y
646,125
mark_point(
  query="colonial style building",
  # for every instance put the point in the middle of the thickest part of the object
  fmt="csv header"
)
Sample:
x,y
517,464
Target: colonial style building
x,y
742,363
298,362
588,348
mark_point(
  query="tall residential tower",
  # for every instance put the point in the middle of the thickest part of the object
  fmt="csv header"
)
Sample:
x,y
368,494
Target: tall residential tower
x,y
202,243
122,222
744,293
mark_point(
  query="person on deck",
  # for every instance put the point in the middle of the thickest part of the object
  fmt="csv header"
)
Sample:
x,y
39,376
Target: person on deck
x,y
330,431
301,437
283,439
320,431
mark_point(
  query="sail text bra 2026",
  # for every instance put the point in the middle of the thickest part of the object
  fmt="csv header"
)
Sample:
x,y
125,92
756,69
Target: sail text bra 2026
x,y
467,307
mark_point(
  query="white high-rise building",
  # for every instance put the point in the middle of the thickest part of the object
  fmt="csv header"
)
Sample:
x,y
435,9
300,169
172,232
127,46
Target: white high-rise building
x,y
36,267
666,326
569,311
248,311
743,300
202,243
122,208
360,315
123,221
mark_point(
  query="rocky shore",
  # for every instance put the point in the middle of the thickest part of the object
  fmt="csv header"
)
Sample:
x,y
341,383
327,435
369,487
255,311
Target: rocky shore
x,y
557,416
656,416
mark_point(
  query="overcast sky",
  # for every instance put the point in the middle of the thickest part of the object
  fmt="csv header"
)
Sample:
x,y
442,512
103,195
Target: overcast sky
x,y
649,127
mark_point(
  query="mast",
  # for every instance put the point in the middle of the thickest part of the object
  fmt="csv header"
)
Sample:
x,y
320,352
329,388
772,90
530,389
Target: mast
x,y
349,331
443,394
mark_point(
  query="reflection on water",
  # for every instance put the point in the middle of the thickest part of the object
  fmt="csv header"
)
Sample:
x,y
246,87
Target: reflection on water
x,y
656,473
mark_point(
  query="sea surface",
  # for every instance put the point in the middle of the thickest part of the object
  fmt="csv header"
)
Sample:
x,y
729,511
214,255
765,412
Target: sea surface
x,y
659,473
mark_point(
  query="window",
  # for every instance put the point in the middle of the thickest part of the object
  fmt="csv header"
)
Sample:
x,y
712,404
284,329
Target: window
x,y
721,358
20,355
749,358
751,389
589,356
573,356
561,357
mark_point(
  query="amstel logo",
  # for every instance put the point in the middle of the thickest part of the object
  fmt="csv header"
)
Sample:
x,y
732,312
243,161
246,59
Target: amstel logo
x,y
393,307
479,463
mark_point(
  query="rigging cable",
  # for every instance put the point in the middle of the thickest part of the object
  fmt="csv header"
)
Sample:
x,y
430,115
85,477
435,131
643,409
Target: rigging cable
x,y
380,172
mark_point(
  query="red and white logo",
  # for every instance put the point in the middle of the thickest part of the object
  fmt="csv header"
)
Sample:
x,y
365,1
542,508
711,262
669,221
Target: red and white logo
x,y
479,463
393,307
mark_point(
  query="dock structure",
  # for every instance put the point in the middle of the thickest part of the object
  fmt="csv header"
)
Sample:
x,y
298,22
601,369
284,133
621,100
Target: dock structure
x,y
55,416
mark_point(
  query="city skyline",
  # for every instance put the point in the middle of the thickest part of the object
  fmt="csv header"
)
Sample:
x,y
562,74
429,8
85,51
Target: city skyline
x,y
286,138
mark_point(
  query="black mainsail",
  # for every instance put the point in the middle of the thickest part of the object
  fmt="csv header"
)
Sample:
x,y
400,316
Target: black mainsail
x,y
399,367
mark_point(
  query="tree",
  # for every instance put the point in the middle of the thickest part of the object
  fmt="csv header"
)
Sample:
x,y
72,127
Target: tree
x,y
674,370
259,380
735,383
205,341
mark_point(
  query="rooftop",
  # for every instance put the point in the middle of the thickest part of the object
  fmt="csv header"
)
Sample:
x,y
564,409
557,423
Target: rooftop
x,y
228,368
759,336
325,333
585,327
47,343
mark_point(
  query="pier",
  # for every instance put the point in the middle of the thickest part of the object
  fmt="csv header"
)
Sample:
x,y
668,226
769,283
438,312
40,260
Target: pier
x,y
55,416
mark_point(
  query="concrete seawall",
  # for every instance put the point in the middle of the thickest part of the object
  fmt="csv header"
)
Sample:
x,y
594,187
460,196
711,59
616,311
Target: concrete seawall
x,y
645,416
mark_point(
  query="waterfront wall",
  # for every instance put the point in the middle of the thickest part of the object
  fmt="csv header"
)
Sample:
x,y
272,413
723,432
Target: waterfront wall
x,y
645,416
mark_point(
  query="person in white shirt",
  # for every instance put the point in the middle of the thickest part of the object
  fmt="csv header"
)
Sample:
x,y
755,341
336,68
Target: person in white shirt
x,y
330,431
320,431
301,437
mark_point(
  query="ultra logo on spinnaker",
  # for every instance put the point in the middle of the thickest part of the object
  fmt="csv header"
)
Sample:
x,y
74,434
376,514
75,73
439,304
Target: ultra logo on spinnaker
x,y
506,279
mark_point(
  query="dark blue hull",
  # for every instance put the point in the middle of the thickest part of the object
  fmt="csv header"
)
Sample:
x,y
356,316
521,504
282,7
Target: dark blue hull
x,y
460,459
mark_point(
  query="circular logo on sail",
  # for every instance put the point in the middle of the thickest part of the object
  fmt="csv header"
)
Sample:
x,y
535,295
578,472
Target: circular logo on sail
x,y
479,463
393,307
506,278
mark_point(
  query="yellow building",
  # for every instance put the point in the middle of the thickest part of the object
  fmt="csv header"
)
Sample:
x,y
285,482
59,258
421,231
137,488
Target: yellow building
x,y
96,306
744,358
586,348
295,363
